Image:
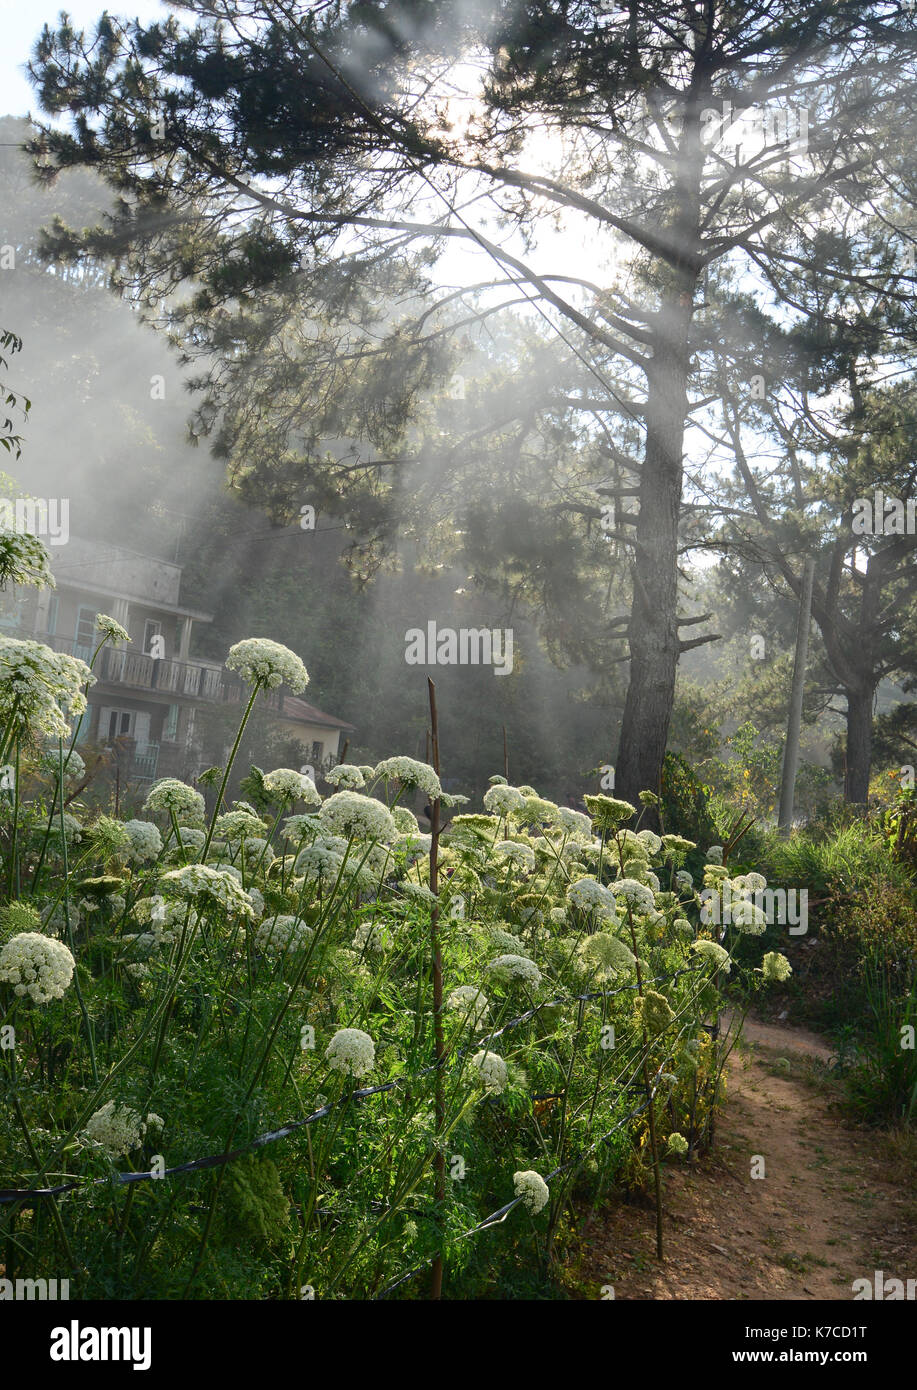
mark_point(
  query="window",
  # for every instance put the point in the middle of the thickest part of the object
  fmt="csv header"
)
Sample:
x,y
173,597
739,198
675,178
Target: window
x,y
53,610
119,723
170,725
85,634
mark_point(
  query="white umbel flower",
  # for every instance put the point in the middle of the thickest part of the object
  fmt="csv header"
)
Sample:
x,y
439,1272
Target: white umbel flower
x,y
512,967
351,1051
74,766
519,855
501,800
714,952
405,820
470,1002
748,917
345,777
575,823
191,838
604,954
638,896
418,893
491,1070
588,895
23,558
410,773
319,864
261,662
206,887
350,814
169,794
117,1128
774,966
282,934
287,782
751,883
109,628
146,841
533,1190
372,936
36,965
238,825
40,690
299,828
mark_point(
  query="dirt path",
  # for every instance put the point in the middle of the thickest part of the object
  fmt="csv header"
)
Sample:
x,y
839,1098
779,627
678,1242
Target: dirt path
x,y
832,1206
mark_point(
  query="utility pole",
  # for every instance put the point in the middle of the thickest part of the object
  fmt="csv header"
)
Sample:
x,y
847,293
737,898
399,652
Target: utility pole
x,y
794,721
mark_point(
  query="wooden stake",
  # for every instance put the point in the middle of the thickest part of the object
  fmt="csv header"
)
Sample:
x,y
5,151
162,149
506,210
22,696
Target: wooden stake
x,y
439,1048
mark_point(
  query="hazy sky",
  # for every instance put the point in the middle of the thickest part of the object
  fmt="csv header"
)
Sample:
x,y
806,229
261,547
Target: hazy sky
x,y
20,25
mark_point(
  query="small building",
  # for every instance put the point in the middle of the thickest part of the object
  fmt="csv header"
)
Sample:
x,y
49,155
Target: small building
x,y
147,695
320,732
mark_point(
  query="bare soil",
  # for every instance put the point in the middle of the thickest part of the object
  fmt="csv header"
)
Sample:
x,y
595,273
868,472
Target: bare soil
x,y
834,1204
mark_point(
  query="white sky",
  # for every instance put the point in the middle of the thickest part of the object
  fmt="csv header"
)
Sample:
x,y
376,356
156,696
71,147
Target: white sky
x,y
21,22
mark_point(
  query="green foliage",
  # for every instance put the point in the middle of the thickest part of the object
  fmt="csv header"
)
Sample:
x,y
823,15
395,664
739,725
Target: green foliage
x,y
685,806
253,1204
881,1080
12,400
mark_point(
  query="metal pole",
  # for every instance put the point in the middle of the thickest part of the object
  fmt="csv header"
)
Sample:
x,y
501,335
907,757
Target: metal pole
x,y
794,720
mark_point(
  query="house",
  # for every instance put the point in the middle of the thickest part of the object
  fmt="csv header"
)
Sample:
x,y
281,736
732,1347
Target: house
x,y
148,695
320,732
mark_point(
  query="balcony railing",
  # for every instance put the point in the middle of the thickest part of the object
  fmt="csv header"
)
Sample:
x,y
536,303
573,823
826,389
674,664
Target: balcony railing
x,y
124,667
196,680
137,671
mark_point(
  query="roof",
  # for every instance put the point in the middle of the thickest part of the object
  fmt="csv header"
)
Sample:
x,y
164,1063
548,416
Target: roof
x,y
113,571
291,707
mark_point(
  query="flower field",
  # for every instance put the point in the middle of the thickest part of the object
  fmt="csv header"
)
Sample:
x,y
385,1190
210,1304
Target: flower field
x,y
312,1052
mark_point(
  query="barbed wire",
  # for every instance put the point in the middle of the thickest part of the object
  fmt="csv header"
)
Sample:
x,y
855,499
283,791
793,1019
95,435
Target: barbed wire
x,y
496,1218
282,1132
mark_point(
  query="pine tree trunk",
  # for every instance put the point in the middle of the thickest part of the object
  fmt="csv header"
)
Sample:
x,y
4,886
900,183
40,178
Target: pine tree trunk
x,y
653,630
859,743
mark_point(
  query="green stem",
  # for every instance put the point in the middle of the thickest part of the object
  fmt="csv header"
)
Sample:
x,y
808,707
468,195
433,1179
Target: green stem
x,y
87,1022
232,757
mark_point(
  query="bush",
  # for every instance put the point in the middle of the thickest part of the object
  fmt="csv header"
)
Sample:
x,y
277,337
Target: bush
x,y
177,993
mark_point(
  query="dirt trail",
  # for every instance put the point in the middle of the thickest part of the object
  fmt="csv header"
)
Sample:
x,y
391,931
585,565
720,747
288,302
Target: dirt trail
x,y
829,1209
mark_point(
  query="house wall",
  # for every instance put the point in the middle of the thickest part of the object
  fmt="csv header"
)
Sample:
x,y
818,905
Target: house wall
x,y
329,740
57,613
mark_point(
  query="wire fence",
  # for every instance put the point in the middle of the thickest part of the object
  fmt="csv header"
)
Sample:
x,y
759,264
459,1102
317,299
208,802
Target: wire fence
x,y
28,1194
496,1218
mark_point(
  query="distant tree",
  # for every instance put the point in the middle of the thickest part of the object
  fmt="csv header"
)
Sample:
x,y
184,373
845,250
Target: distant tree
x,y
810,500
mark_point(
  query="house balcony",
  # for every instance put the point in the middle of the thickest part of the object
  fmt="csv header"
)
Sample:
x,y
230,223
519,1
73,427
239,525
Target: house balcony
x,y
132,670
124,669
